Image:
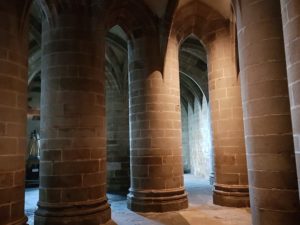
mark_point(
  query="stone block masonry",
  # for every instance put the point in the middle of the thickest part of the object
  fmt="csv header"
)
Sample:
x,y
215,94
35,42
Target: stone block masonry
x,y
73,137
155,135
214,31
117,125
13,110
231,184
268,129
290,10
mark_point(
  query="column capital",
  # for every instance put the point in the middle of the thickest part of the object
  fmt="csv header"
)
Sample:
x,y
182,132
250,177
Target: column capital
x,y
21,7
55,8
20,10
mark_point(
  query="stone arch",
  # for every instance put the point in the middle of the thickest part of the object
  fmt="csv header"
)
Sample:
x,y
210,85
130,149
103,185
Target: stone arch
x,y
191,87
25,9
186,46
137,21
236,9
116,72
218,37
117,115
196,129
199,19
52,8
134,17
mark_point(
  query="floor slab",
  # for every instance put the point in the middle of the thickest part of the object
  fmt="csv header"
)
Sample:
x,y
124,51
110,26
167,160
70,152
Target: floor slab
x,y
201,211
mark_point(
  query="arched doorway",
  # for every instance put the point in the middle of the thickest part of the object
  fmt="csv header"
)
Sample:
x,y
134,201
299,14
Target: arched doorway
x,y
195,109
117,115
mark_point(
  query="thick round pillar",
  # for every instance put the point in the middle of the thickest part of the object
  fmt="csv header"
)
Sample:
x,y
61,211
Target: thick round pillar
x,y
13,110
155,123
73,140
267,120
291,25
231,181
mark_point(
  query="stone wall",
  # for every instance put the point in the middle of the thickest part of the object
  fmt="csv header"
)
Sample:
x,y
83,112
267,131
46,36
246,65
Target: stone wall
x,y
117,125
185,140
197,138
200,141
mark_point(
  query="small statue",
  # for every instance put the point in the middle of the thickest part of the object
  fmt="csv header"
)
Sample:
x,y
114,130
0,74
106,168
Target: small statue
x,y
33,160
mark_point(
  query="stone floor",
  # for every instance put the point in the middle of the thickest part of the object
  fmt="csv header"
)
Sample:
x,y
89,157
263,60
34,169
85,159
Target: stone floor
x,y
201,211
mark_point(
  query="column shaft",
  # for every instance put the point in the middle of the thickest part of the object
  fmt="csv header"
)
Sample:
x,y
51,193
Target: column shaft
x,y
155,144
267,120
231,181
291,25
73,139
13,110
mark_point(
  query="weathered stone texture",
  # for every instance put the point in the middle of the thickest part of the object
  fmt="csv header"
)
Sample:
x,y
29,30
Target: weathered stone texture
x,y
155,141
13,109
117,124
268,131
137,139
290,10
231,183
185,139
231,180
200,140
73,137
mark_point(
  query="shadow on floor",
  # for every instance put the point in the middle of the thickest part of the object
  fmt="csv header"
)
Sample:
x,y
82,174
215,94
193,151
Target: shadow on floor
x,y
201,210
170,218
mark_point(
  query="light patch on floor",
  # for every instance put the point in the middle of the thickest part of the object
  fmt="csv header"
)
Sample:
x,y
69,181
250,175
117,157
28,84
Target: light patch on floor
x,y
201,211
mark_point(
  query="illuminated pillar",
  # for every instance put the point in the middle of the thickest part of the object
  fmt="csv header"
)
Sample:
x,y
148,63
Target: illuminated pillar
x,y
267,120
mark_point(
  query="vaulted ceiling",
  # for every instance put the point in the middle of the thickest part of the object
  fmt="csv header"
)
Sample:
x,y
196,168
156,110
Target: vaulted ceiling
x,y
193,60
159,7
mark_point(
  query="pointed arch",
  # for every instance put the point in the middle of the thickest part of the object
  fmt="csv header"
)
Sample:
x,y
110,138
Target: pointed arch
x,y
199,19
134,17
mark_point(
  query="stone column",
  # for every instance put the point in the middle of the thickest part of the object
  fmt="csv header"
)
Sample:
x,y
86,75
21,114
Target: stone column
x,y
13,109
155,143
268,132
231,181
291,25
73,139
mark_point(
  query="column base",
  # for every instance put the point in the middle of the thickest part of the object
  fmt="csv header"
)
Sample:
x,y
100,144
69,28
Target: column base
x,y
22,221
157,200
92,213
231,195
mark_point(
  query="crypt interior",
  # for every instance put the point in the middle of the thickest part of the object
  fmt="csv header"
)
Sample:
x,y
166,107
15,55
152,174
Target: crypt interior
x,y
149,112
